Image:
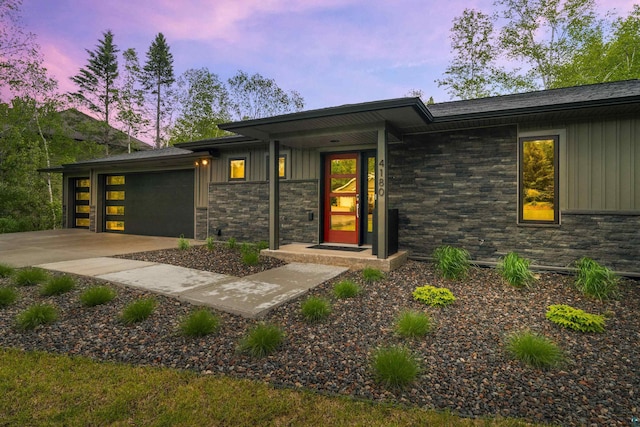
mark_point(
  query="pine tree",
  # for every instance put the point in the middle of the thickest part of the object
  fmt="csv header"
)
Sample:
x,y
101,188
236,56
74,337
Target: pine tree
x,y
156,74
97,84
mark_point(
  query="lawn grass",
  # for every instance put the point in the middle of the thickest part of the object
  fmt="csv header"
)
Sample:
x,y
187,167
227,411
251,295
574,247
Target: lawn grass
x,y
77,391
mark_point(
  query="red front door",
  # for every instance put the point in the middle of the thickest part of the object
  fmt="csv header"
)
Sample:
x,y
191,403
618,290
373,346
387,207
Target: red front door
x,y
342,198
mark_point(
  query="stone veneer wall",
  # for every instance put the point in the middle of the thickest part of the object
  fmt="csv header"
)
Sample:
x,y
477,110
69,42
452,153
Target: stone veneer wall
x,y
460,188
201,223
241,211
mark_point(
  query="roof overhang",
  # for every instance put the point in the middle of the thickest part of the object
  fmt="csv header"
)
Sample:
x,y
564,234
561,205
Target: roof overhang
x,y
354,124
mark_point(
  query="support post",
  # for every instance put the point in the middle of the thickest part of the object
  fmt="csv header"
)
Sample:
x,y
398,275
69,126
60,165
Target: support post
x,y
274,195
381,196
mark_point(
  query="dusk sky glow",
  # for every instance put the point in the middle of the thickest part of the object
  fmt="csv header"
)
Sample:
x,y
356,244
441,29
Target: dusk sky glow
x,y
332,52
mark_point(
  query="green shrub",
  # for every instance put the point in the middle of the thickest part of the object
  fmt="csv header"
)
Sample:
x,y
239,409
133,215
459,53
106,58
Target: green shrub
x,y
574,318
97,295
262,244
231,243
315,309
58,285
7,296
183,244
6,270
534,350
435,297
138,310
515,270
595,280
30,276
250,254
346,289
200,323
262,340
411,324
211,243
371,275
452,263
394,366
39,314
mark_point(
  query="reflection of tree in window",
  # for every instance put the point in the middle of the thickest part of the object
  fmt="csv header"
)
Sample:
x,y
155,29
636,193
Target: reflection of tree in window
x,y
538,177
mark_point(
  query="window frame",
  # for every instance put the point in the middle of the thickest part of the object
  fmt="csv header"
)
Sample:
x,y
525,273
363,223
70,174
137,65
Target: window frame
x,y
229,168
556,136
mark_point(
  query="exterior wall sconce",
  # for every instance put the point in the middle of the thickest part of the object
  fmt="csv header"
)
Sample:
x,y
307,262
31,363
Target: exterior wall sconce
x,y
205,162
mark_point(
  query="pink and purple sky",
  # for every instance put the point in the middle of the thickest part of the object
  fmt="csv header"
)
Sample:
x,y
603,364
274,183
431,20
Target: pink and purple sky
x,y
332,52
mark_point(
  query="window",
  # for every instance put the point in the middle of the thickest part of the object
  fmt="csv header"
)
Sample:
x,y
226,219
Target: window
x,y
538,195
115,180
237,169
282,166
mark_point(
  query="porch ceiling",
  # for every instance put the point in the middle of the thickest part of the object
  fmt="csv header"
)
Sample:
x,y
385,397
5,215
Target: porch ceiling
x,y
338,126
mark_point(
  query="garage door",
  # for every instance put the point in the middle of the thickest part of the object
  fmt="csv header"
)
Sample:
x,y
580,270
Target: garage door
x,y
152,204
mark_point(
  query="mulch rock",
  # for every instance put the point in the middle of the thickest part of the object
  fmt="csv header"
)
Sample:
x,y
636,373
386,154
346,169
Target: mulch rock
x,y
465,367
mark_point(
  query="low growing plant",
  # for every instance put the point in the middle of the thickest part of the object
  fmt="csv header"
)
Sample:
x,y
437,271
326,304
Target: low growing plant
x,y
574,318
30,276
97,295
262,244
183,244
250,254
315,309
39,314
595,280
58,285
412,324
371,275
433,296
515,270
7,296
232,243
6,270
394,366
200,323
138,310
452,263
534,350
346,289
211,243
262,340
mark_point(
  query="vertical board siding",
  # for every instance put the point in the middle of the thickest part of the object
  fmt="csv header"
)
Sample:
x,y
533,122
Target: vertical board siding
x,y
601,166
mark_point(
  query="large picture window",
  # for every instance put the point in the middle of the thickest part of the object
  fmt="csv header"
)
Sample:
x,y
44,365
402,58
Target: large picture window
x,y
539,180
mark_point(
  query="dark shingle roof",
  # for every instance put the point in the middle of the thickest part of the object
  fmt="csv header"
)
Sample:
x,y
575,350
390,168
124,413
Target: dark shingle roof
x,y
138,156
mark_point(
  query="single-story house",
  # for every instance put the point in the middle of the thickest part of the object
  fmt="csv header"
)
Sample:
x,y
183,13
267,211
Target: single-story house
x,y
553,175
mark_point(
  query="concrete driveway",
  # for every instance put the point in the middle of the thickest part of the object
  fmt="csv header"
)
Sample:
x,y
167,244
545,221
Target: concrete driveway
x,y
41,247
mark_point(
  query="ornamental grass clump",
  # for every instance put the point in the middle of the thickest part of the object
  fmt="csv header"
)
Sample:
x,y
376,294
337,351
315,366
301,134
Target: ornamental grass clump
x,y
595,280
371,275
6,270
211,243
30,276
435,297
200,323
346,289
534,350
250,254
515,270
394,367
232,243
183,244
412,324
262,340
7,296
574,318
39,314
452,263
315,309
97,295
58,285
138,311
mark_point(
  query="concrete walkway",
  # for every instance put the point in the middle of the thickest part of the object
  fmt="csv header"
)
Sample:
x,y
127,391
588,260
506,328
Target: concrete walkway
x,y
250,296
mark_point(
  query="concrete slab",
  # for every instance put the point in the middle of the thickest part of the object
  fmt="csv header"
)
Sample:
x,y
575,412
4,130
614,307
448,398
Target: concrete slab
x,y
95,266
165,279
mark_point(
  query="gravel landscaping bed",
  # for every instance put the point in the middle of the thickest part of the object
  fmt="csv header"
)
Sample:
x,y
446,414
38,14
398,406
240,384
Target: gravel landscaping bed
x,y
464,365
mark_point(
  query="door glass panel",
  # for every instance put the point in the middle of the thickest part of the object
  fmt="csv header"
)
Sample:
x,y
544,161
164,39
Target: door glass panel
x,y
115,210
82,222
83,183
343,204
343,222
115,195
115,225
82,209
115,180
343,166
82,196
371,191
343,185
